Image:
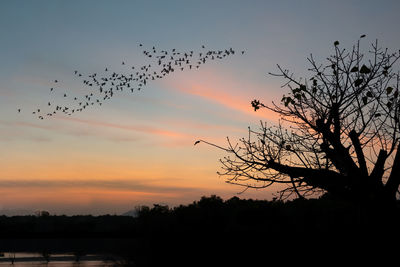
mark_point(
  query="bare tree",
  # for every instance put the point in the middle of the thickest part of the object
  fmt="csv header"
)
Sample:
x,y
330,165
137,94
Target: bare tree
x,y
338,131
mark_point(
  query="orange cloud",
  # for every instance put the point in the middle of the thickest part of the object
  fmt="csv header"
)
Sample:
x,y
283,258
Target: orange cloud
x,y
225,91
222,97
121,185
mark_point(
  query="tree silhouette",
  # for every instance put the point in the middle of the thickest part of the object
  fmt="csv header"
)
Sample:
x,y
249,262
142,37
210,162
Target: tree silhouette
x,y
338,131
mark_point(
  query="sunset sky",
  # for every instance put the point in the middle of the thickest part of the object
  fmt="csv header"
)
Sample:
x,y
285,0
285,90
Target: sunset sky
x,y
137,148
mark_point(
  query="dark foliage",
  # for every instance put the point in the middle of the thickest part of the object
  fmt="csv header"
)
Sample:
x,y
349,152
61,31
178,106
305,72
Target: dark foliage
x,y
208,215
66,226
211,230
235,216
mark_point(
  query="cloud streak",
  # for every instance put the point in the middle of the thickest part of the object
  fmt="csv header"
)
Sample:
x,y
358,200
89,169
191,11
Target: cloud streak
x,y
225,92
137,128
80,131
108,185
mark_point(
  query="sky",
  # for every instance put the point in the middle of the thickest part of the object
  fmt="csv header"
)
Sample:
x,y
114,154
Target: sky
x,y
137,148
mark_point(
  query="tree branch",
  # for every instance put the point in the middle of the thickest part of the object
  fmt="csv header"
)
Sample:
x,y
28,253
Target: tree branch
x,y
393,182
359,152
377,172
325,179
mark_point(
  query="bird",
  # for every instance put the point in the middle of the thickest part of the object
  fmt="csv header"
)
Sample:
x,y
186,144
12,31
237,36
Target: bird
x,y
19,110
198,141
162,63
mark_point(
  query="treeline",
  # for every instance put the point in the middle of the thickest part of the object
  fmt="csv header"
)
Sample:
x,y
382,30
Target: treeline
x,y
207,231
209,215
65,226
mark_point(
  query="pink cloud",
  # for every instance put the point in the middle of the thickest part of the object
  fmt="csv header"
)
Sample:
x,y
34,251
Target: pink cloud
x,y
225,91
136,128
222,97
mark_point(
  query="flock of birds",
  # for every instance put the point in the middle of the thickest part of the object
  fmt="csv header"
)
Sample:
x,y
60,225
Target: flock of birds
x,y
104,86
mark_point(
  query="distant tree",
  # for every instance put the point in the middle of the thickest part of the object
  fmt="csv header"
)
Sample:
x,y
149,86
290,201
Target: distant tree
x,y
46,256
79,253
338,131
12,257
42,213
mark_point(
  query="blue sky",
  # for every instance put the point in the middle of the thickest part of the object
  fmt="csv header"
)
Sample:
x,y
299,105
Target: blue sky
x,y
146,138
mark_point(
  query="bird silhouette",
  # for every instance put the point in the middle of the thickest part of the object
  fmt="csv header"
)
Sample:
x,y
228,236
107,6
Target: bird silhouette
x,y
104,86
198,141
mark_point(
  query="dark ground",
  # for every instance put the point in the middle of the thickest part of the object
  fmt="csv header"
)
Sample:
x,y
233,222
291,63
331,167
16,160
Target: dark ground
x,y
216,232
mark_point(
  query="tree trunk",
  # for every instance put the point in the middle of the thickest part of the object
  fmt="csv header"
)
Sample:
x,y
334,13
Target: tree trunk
x,y
392,185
